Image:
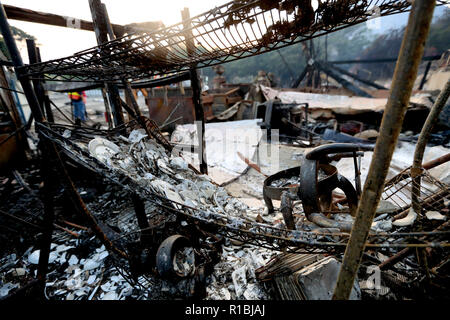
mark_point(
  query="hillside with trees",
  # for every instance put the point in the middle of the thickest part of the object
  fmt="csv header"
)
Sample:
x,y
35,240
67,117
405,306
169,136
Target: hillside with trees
x,y
19,35
357,42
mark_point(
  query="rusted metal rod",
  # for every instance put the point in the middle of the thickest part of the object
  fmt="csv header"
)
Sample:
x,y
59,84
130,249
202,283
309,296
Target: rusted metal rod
x,y
416,168
405,252
75,225
73,233
405,73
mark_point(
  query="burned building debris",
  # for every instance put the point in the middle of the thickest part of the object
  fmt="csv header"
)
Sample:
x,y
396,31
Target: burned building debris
x,y
239,192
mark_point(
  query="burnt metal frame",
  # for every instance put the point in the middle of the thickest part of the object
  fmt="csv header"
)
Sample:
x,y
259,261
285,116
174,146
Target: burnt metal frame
x,y
258,234
136,56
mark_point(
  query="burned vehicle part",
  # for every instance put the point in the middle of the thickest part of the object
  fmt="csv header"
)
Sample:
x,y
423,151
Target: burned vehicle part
x,y
168,263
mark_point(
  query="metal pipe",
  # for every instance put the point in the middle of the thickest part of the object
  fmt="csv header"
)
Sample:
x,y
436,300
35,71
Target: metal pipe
x,y
405,73
416,168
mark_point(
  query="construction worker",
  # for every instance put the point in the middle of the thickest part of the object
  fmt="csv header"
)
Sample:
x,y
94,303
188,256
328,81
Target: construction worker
x,y
78,100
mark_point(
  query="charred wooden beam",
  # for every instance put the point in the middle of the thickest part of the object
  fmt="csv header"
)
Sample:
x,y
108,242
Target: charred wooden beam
x,y
22,14
101,32
357,78
302,75
346,84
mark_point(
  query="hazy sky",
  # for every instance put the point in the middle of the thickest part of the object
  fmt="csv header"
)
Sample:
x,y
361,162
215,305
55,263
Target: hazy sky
x,y
58,42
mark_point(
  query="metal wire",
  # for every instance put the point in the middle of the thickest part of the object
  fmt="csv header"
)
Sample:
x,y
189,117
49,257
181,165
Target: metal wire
x,y
233,31
258,234
433,193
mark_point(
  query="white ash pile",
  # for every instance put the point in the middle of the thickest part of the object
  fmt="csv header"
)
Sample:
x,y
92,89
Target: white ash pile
x,y
71,276
147,163
234,276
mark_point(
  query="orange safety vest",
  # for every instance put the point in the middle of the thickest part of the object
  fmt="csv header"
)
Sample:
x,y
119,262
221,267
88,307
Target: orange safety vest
x,y
74,96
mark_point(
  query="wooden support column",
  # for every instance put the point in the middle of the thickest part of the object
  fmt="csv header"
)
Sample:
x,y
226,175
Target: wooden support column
x,y
405,73
196,94
131,98
302,75
47,103
101,33
21,14
44,101
32,56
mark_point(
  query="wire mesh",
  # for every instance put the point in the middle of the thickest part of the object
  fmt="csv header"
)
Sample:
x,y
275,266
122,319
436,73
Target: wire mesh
x,y
241,229
238,29
434,194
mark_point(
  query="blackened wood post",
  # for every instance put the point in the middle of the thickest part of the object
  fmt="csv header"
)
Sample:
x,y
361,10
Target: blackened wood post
x,y
44,101
346,84
129,96
302,75
405,74
196,94
107,108
101,33
47,104
32,56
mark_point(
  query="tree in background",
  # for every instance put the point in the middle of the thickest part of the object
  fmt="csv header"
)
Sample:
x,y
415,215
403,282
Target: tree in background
x,y
19,35
388,46
287,63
